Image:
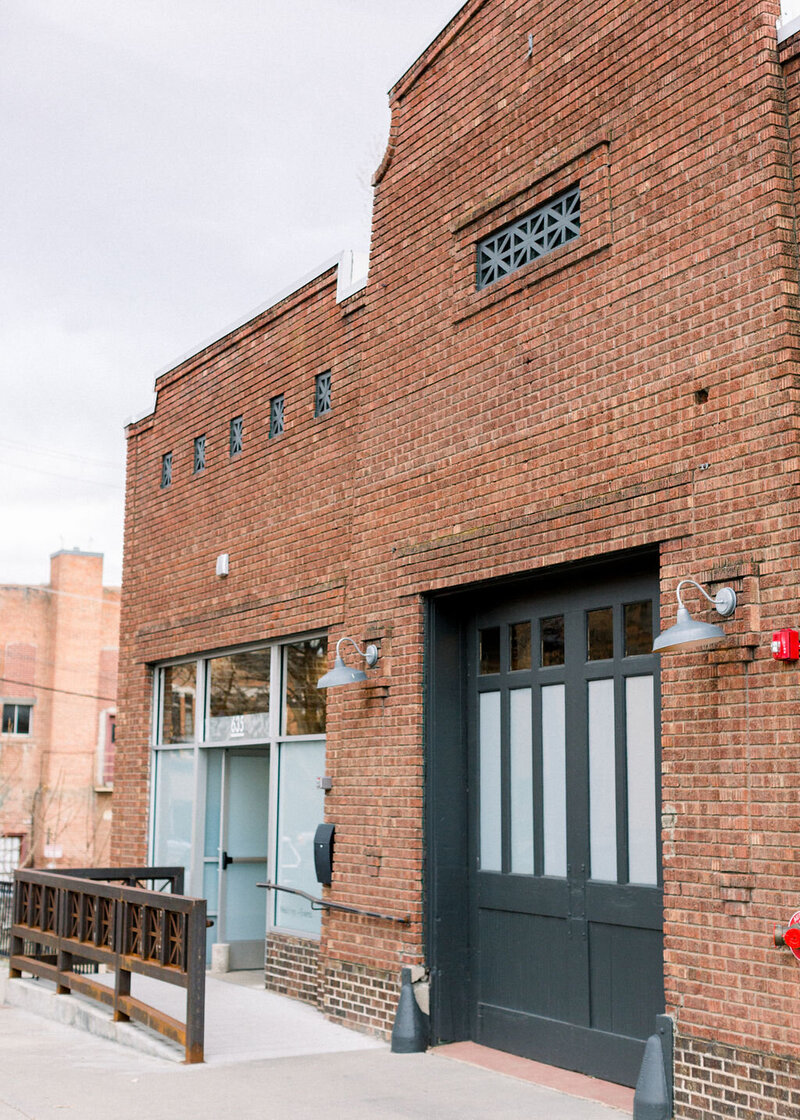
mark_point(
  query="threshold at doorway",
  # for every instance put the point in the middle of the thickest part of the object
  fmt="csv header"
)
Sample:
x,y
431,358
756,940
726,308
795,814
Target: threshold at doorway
x,y
550,1077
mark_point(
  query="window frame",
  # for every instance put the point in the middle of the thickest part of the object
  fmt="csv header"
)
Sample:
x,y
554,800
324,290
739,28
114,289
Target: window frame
x,y
12,701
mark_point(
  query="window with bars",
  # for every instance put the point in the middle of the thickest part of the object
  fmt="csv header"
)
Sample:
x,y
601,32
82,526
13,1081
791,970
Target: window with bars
x,y
322,393
537,233
199,454
166,470
236,435
276,414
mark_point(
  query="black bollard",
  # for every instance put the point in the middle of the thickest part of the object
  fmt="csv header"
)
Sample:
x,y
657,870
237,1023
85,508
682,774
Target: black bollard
x,y
651,1099
410,1030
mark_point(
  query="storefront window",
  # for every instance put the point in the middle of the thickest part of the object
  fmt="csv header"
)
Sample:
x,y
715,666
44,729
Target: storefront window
x,y
238,696
300,810
172,846
305,703
178,699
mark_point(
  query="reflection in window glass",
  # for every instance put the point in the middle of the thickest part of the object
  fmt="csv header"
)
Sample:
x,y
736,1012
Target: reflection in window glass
x,y
600,634
305,703
300,809
638,628
489,652
520,643
179,687
239,696
553,640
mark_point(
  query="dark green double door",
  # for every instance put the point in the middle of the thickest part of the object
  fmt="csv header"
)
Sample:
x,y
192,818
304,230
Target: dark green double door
x,y
562,951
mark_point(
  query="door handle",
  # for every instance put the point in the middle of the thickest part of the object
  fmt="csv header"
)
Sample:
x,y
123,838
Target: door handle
x,y
226,860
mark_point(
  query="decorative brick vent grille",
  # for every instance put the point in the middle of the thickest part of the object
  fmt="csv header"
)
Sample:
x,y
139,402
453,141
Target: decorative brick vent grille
x,y
199,454
276,412
541,231
236,435
322,394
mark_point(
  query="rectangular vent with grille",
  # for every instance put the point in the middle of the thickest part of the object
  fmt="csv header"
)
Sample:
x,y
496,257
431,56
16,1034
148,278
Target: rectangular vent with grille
x,y
276,414
530,237
166,470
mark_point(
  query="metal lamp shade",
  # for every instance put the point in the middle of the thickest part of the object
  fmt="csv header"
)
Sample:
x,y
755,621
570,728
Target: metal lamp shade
x,y
341,674
687,633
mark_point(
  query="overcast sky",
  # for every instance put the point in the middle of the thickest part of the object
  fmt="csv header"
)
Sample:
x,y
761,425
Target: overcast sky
x,y
168,166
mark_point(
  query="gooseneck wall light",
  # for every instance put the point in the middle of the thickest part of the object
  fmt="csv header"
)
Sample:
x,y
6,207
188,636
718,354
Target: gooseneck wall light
x,y
343,674
687,633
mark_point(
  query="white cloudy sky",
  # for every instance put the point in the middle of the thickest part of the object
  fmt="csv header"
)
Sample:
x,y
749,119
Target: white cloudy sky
x,y
167,167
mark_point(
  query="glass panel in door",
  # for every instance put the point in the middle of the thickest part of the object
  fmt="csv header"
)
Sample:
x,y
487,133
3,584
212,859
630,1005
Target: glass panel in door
x,y
243,856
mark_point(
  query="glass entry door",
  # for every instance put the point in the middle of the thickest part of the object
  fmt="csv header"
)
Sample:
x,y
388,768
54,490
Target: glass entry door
x,y
235,860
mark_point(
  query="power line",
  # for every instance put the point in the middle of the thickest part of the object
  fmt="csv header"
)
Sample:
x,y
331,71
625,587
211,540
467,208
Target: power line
x,y
27,447
63,477
55,591
64,691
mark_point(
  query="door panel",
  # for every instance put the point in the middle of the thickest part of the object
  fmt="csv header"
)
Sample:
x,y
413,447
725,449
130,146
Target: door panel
x,y
235,851
565,944
245,838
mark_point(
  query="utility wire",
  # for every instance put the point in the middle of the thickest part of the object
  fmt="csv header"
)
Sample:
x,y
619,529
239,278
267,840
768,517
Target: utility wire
x,y
64,691
55,591
27,447
63,477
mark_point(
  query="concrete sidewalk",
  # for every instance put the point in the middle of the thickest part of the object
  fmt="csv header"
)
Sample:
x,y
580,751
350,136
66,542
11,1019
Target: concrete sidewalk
x,y
268,1056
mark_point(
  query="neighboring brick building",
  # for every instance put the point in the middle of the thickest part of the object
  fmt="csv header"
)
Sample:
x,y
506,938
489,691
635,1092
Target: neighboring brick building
x,y
570,382
58,683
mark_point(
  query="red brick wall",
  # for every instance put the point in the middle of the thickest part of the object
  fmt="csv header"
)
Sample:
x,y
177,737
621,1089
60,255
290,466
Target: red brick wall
x,y
60,645
280,509
292,967
637,387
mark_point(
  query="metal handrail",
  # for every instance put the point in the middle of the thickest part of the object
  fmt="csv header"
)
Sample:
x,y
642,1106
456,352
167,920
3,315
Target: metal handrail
x,y
171,877
323,904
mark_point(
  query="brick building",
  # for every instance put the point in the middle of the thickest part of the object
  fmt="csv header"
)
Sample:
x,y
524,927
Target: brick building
x,y
569,383
58,681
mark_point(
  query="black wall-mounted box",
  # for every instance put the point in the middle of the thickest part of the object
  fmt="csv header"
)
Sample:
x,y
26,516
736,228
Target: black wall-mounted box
x,y
323,853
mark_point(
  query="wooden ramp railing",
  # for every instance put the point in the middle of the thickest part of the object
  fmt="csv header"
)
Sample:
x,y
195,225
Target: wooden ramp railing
x,y
65,919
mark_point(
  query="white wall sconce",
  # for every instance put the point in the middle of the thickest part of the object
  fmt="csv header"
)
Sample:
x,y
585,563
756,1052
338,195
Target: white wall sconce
x,y
343,674
223,564
688,633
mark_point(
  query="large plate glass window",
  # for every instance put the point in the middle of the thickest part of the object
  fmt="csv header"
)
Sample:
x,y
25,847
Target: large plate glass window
x,y
174,809
300,810
300,802
238,696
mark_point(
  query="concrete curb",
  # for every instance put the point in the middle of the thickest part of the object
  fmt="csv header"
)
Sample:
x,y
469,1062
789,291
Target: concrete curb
x,y
72,1011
